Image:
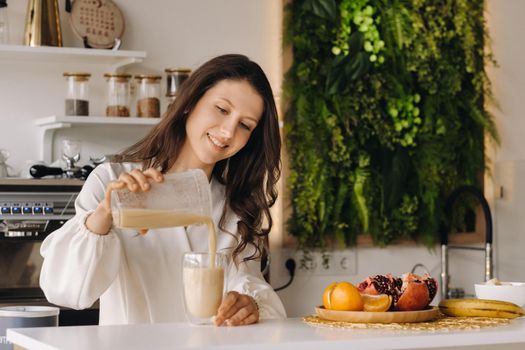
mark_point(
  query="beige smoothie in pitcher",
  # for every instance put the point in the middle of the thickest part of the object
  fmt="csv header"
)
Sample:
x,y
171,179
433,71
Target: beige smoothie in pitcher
x,y
156,218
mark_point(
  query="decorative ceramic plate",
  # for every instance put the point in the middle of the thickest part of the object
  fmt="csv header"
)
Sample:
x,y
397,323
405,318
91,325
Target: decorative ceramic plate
x,y
378,317
98,22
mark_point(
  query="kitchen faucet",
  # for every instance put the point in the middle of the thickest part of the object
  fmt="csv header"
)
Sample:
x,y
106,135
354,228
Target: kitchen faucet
x,y
421,266
445,229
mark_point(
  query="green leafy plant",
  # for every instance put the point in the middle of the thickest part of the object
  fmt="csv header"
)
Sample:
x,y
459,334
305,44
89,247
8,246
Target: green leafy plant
x,y
385,115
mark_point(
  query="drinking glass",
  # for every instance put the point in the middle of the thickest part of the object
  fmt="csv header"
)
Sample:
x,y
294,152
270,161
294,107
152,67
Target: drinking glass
x,y
204,285
71,149
71,155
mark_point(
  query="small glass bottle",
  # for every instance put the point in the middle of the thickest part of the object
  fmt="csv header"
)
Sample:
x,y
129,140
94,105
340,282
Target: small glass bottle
x,y
4,24
175,77
77,93
118,103
148,100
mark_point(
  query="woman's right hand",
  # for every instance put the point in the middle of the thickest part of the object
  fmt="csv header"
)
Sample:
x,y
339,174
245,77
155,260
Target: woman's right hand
x,y
137,180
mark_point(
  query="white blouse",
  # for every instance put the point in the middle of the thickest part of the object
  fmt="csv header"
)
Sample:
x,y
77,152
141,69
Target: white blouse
x,y
138,278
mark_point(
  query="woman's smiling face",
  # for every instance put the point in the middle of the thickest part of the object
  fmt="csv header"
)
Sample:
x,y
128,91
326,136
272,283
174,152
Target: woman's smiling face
x,y
221,123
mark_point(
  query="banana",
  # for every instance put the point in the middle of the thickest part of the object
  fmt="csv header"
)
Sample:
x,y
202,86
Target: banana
x,y
480,308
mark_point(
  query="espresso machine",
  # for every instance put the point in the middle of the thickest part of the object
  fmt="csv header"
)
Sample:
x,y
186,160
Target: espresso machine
x,y
30,209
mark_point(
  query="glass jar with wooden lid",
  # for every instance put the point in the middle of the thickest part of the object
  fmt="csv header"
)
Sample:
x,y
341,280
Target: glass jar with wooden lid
x,y
118,95
148,100
174,79
77,93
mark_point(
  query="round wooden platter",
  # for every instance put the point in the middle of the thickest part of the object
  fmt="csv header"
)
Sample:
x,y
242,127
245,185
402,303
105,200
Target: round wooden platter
x,y
378,317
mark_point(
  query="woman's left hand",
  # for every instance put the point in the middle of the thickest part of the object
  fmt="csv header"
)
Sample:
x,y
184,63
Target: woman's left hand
x,y
236,310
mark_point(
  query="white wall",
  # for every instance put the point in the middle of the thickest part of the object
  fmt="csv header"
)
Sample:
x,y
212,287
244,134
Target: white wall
x,y
508,79
187,33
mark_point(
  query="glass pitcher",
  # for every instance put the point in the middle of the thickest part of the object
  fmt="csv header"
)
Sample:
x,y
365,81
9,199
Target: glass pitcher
x,y
182,199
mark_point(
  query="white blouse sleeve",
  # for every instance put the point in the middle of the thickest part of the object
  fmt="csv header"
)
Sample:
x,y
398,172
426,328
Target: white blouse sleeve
x,y
80,265
246,278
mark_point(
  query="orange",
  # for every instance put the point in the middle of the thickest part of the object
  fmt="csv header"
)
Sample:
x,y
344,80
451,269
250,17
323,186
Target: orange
x,y
326,295
376,303
342,296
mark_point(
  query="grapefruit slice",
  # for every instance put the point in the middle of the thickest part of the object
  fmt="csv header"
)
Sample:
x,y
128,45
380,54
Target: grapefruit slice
x,y
376,303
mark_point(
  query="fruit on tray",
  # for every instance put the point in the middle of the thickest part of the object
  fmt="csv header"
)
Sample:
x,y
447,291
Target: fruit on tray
x,y
480,308
376,303
381,284
409,292
342,296
414,294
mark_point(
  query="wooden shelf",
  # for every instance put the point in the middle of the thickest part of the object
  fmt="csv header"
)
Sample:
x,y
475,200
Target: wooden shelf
x,y
113,58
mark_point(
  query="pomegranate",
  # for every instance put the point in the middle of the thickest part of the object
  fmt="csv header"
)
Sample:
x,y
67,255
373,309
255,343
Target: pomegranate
x,y
381,284
409,293
431,285
414,294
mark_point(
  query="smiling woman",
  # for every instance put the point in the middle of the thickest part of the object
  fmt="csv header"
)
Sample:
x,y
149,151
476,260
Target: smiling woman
x,y
223,121
220,124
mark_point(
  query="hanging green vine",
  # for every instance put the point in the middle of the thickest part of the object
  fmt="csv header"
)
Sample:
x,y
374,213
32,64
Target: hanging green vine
x,y
386,115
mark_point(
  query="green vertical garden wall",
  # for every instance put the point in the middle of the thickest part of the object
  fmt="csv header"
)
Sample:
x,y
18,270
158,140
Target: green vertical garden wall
x,y
385,115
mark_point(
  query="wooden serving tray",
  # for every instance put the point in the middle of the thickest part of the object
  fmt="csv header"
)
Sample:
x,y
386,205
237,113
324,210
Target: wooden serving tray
x,y
378,317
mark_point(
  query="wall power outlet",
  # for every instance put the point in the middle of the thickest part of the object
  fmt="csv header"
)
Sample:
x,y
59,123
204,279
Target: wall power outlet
x,y
318,263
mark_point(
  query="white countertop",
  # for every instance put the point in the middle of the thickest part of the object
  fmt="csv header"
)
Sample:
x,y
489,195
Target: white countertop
x,y
287,334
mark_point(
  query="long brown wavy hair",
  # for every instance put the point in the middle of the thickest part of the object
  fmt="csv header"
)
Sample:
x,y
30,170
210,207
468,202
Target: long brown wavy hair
x,y
250,176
